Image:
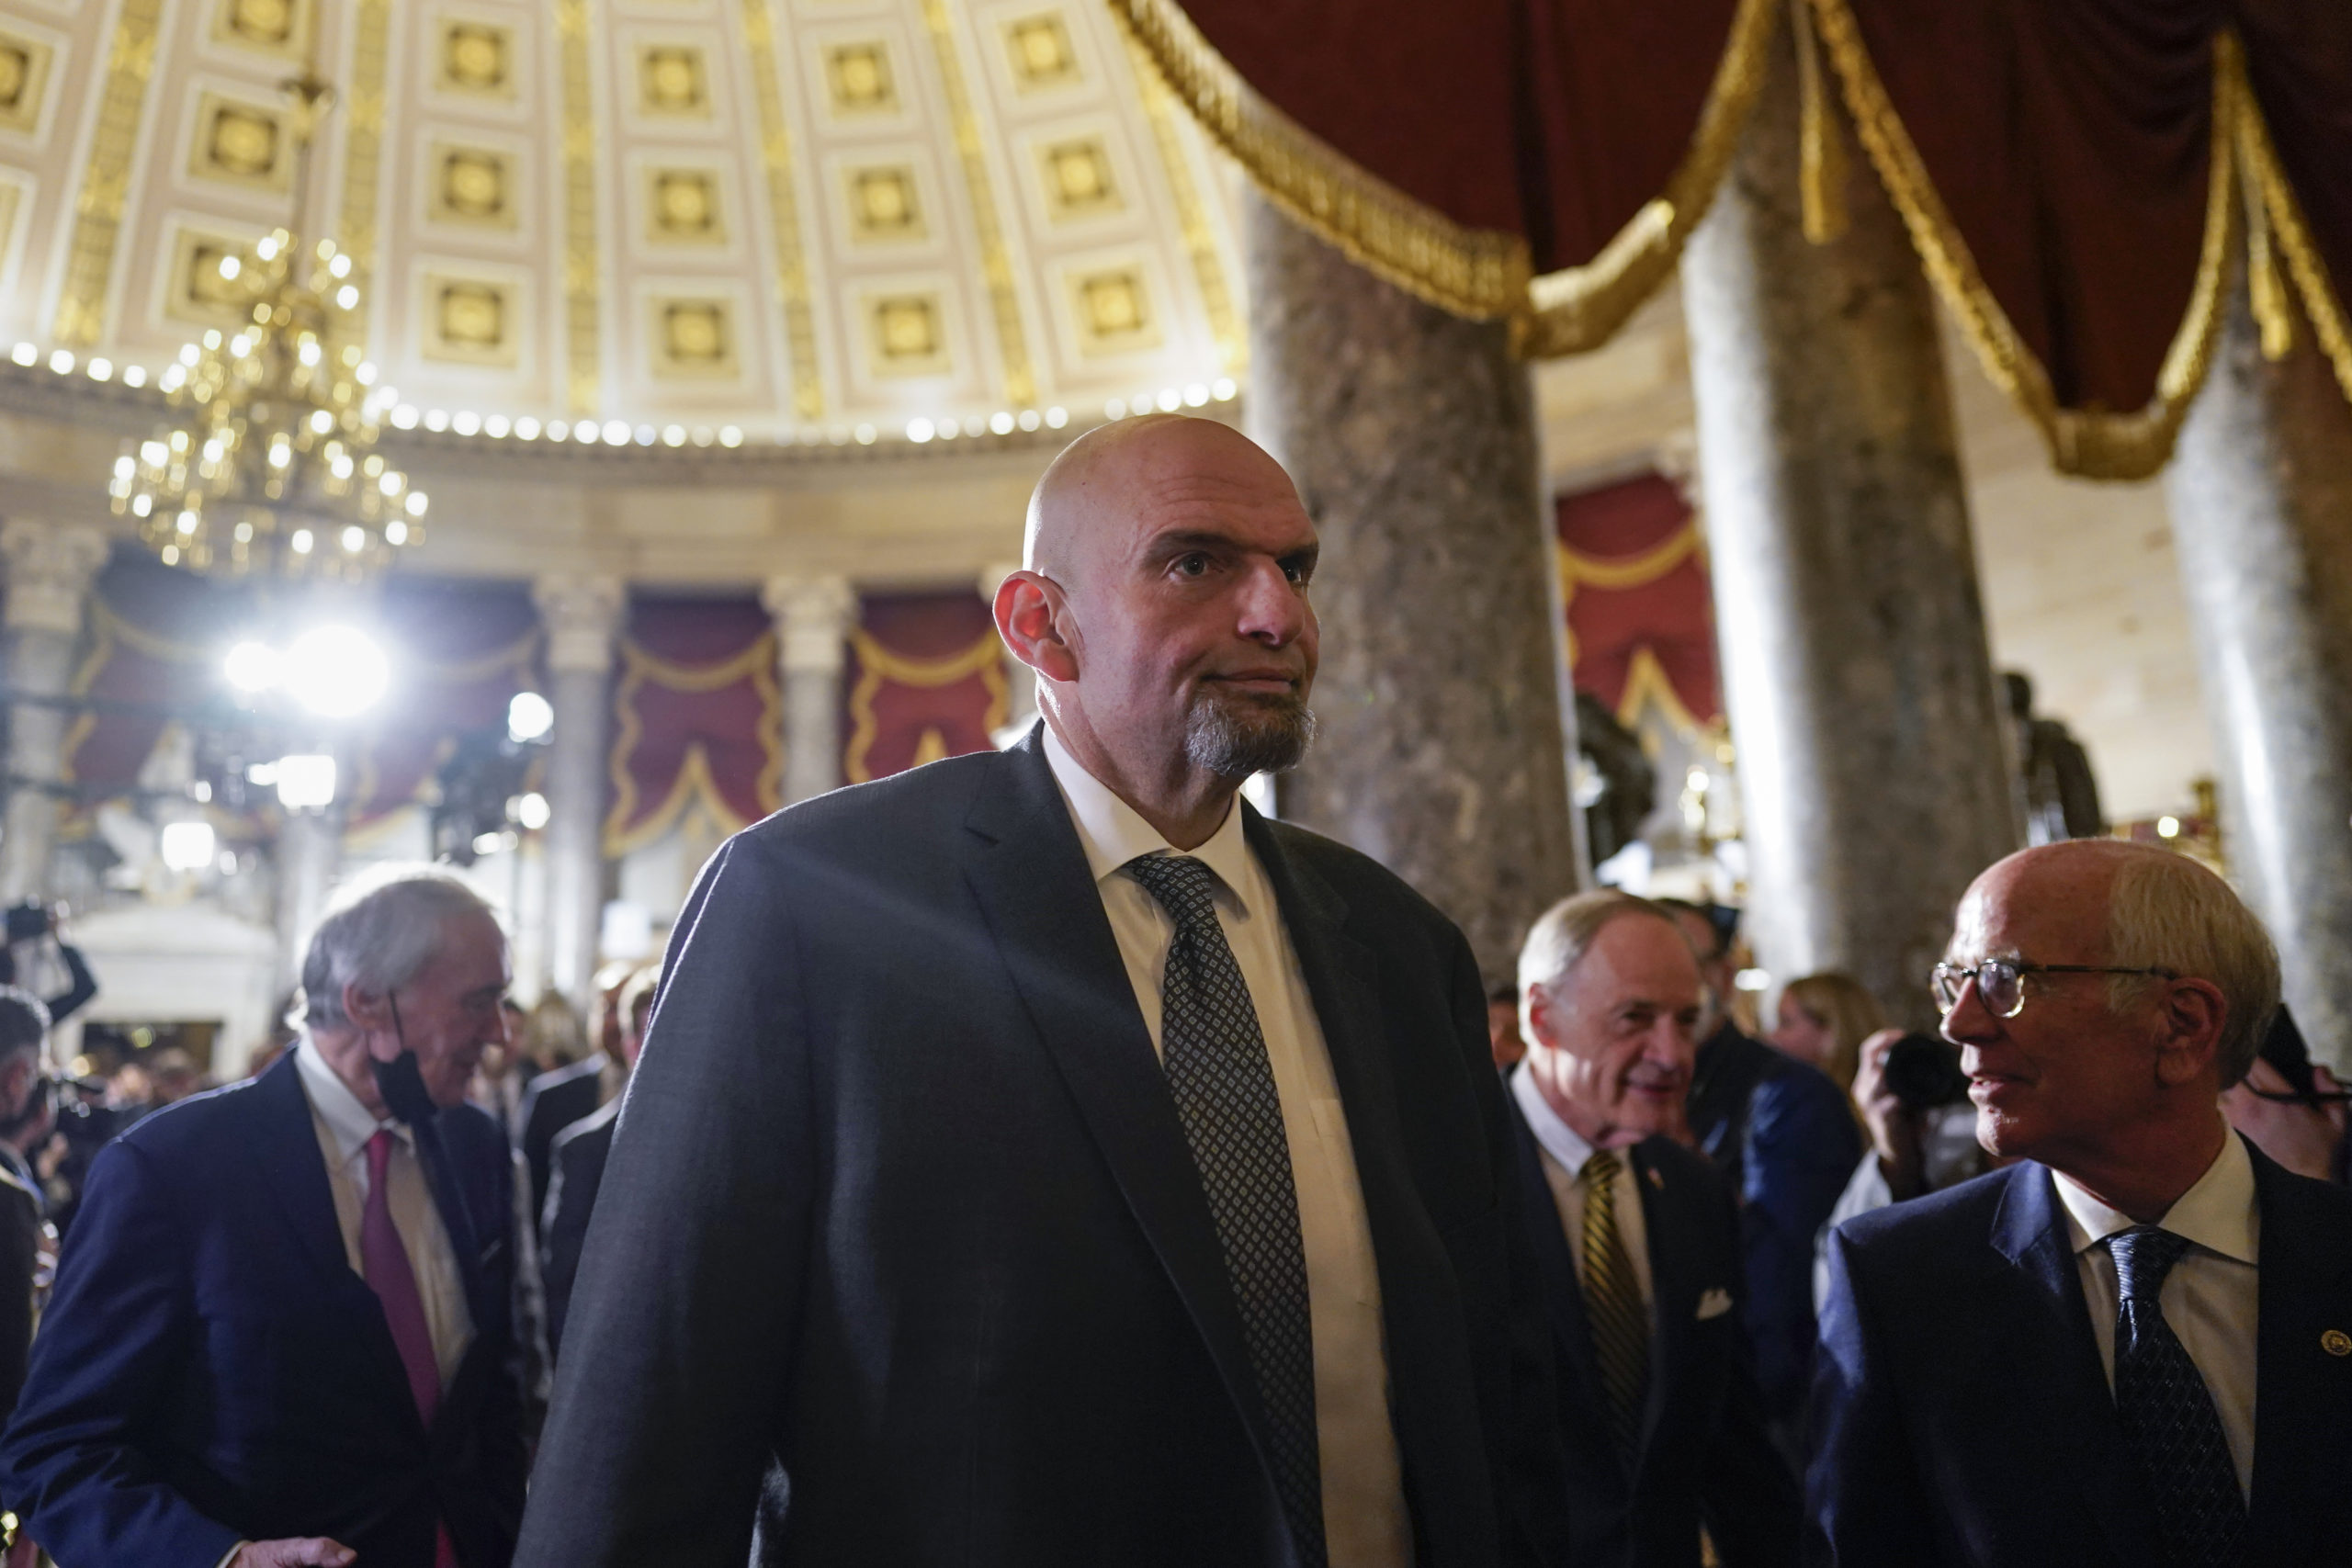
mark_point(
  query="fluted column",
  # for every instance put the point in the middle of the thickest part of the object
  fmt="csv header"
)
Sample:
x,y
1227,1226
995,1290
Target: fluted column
x,y
581,614
50,573
1873,763
2261,496
1020,681
813,617
309,856
1444,733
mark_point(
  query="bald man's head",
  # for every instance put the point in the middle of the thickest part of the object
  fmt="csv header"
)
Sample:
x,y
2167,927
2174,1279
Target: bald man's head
x,y
1163,599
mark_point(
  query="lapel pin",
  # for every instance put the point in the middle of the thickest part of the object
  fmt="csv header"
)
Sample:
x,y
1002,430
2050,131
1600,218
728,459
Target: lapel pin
x,y
2336,1342
1657,1178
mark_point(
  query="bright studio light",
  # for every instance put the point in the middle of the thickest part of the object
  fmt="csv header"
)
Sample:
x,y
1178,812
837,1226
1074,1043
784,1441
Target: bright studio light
x,y
532,811
252,667
187,846
335,671
529,716
306,781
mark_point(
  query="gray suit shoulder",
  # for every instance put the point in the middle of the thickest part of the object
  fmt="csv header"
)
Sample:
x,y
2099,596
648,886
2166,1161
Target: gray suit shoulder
x,y
929,800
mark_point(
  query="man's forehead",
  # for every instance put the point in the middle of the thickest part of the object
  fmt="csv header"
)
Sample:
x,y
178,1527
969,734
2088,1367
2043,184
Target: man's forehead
x,y
1222,506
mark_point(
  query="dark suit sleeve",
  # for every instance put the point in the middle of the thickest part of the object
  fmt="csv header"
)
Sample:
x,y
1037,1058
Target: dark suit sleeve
x,y
1865,1499
566,1229
1749,1497
684,1314
1529,1465
20,1255
1803,1144
118,1329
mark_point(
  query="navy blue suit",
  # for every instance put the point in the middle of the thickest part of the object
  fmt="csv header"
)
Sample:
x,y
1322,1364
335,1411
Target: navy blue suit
x,y
210,1367
1785,1137
1704,1454
1962,1415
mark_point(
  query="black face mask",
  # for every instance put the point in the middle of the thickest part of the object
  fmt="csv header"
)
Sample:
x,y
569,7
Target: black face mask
x,y
399,1081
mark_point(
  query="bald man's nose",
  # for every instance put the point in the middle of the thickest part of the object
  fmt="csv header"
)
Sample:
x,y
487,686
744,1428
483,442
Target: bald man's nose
x,y
1271,605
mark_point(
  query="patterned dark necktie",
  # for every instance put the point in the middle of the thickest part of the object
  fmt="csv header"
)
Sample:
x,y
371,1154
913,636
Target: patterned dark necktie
x,y
1216,1060
2169,1422
1613,1304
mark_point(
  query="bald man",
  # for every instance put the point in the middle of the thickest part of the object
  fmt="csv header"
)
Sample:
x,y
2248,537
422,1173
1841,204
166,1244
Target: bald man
x,y
1042,1159
2134,1346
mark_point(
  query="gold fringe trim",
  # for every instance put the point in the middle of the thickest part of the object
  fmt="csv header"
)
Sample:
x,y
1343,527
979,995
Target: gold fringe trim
x,y
877,664
1482,273
2091,443
1618,573
1580,307
2282,221
755,663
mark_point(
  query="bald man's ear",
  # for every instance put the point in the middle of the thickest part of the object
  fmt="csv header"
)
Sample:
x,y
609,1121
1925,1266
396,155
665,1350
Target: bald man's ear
x,y
1032,618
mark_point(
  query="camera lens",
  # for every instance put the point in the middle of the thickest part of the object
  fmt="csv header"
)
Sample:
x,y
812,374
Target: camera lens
x,y
1924,1073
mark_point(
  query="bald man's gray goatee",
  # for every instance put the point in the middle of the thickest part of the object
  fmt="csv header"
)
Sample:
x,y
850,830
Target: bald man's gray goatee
x,y
1235,739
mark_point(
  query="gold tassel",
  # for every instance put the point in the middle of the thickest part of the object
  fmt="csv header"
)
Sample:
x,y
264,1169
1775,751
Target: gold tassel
x,y
1821,143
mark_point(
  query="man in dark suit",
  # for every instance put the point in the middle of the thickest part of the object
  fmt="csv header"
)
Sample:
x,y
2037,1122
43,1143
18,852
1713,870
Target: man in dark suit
x,y
27,1115
2134,1347
577,1161
1783,1136
1659,1411
1041,1159
279,1334
552,1101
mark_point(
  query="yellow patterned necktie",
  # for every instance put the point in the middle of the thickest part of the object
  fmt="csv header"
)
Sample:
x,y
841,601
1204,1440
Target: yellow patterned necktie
x,y
1613,1304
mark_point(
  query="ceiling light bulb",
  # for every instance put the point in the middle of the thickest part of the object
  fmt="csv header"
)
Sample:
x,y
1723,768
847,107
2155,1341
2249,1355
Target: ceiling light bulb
x,y
335,671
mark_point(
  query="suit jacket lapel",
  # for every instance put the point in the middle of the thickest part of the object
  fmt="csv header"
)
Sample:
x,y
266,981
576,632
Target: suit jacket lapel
x,y
1030,875
448,1198
2071,1401
2302,1448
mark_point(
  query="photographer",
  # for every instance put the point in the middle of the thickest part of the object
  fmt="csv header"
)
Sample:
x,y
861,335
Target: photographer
x,y
26,1117
37,960
1914,1100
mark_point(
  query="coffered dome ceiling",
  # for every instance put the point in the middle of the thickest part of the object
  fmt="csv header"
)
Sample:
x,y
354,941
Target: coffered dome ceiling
x,y
797,218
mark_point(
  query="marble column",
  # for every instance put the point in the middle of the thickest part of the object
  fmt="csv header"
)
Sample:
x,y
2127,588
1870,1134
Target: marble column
x,y
1020,681
1857,676
581,614
2261,497
1444,738
813,617
310,853
50,573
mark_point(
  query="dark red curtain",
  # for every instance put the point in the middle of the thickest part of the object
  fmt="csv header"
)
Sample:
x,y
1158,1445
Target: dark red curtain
x,y
696,716
925,681
1641,624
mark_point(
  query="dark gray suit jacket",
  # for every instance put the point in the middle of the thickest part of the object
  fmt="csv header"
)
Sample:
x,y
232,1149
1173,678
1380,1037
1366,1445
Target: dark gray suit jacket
x,y
900,1215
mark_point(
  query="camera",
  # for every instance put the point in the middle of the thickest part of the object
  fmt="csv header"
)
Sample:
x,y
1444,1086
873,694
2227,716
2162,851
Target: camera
x,y
1924,1073
28,920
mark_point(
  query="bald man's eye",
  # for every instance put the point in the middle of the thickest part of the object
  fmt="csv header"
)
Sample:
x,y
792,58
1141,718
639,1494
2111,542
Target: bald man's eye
x,y
1193,565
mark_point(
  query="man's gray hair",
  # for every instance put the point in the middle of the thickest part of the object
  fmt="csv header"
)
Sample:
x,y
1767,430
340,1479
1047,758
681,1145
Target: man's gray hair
x,y
2165,911
382,929
1558,941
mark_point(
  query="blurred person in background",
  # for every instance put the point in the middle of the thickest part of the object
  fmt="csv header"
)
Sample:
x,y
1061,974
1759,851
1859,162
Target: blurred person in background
x,y
1784,1138
35,957
1822,1020
280,1331
175,1075
578,1159
1502,1027
27,1116
2292,1107
568,1085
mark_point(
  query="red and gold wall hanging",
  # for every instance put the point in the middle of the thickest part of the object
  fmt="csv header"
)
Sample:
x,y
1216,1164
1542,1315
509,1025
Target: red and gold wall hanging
x,y
925,681
697,718
1641,625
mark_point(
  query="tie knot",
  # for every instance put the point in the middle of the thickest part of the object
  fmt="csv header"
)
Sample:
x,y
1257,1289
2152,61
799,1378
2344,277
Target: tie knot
x,y
2142,1258
1182,884
1600,1168
379,1153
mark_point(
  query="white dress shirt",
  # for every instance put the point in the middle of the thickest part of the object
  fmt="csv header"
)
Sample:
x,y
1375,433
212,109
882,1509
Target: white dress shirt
x,y
1563,1152
1364,1521
2212,1296
344,1127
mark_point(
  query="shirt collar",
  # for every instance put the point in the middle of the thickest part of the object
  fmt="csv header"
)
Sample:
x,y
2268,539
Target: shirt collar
x,y
1562,1142
1112,832
2219,1213
350,1124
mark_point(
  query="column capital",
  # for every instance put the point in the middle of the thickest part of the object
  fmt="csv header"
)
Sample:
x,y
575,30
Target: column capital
x,y
582,612
51,568
813,617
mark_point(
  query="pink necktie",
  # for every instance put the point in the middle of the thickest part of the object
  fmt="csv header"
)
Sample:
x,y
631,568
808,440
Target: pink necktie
x,y
385,1263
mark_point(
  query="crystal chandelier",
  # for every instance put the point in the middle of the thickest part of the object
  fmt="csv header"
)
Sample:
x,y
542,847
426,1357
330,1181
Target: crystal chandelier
x,y
268,466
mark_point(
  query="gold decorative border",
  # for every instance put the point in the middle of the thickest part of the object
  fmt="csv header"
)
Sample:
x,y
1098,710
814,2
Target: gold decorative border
x,y
1226,327
755,663
105,183
1619,573
1478,273
2091,443
784,212
877,664
2276,205
1580,307
362,142
582,339
996,257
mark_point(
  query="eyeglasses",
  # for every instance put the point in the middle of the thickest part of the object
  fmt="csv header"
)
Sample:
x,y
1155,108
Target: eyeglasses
x,y
2000,982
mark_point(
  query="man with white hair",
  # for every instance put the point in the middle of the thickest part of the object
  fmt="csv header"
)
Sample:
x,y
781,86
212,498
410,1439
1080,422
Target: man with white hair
x,y
1658,1410
2134,1346
280,1333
